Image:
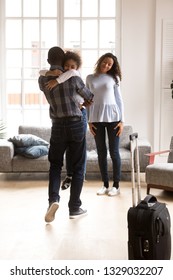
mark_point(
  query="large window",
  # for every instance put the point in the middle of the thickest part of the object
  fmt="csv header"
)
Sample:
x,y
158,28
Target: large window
x,y
30,28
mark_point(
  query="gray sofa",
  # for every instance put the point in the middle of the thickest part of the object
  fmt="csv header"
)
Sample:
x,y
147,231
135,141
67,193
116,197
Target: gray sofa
x,y
11,163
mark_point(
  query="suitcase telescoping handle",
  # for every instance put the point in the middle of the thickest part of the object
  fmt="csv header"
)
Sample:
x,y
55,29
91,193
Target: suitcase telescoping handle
x,y
133,136
135,157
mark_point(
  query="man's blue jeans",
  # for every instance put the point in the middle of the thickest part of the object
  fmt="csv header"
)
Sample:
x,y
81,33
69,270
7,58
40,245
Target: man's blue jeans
x,y
68,161
67,134
101,145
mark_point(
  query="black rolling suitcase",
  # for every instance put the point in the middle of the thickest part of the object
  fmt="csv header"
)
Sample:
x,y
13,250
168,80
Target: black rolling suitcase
x,y
148,220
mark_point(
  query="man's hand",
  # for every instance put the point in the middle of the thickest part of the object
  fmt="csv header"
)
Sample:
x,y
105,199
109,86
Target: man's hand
x,y
87,103
51,84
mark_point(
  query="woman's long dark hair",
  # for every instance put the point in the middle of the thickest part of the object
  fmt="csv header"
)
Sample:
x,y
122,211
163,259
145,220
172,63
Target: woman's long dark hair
x,y
115,70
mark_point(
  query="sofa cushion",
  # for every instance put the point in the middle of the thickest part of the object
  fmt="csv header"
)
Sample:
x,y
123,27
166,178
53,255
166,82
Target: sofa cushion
x,y
93,166
27,140
42,132
24,164
124,138
160,174
32,151
170,156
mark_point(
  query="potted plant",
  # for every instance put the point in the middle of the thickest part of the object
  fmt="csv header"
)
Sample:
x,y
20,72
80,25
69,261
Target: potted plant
x,y
3,130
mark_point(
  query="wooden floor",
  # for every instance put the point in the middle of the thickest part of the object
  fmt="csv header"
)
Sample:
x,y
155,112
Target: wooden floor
x,y
101,235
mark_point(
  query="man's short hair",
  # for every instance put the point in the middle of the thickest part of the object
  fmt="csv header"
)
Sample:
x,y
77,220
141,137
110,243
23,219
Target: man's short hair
x,y
56,56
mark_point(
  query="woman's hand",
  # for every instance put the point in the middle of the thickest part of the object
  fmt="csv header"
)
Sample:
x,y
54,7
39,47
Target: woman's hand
x,y
120,127
92,128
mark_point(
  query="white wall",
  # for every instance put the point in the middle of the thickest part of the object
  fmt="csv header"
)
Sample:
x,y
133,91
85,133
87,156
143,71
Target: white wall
x,y
163,113
138,48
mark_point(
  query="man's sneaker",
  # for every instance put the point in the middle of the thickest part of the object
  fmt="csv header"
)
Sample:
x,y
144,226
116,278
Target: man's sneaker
x,y
50,214
78,213
114,191
102,191
66,183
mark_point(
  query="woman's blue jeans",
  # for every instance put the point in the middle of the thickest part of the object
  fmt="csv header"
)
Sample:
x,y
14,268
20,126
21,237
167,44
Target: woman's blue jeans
x,y
67,134
103,131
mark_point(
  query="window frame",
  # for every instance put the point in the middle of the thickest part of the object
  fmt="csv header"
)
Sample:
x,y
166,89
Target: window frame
x,y
60,41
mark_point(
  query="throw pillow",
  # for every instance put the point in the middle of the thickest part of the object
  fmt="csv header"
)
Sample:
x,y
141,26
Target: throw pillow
x,y
32,151
27,140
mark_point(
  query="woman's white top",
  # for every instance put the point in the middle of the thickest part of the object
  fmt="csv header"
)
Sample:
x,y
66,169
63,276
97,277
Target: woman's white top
x,y
107,104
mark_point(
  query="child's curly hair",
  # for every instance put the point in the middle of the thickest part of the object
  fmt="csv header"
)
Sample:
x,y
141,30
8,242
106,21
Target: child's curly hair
x,y
74,56
115,70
